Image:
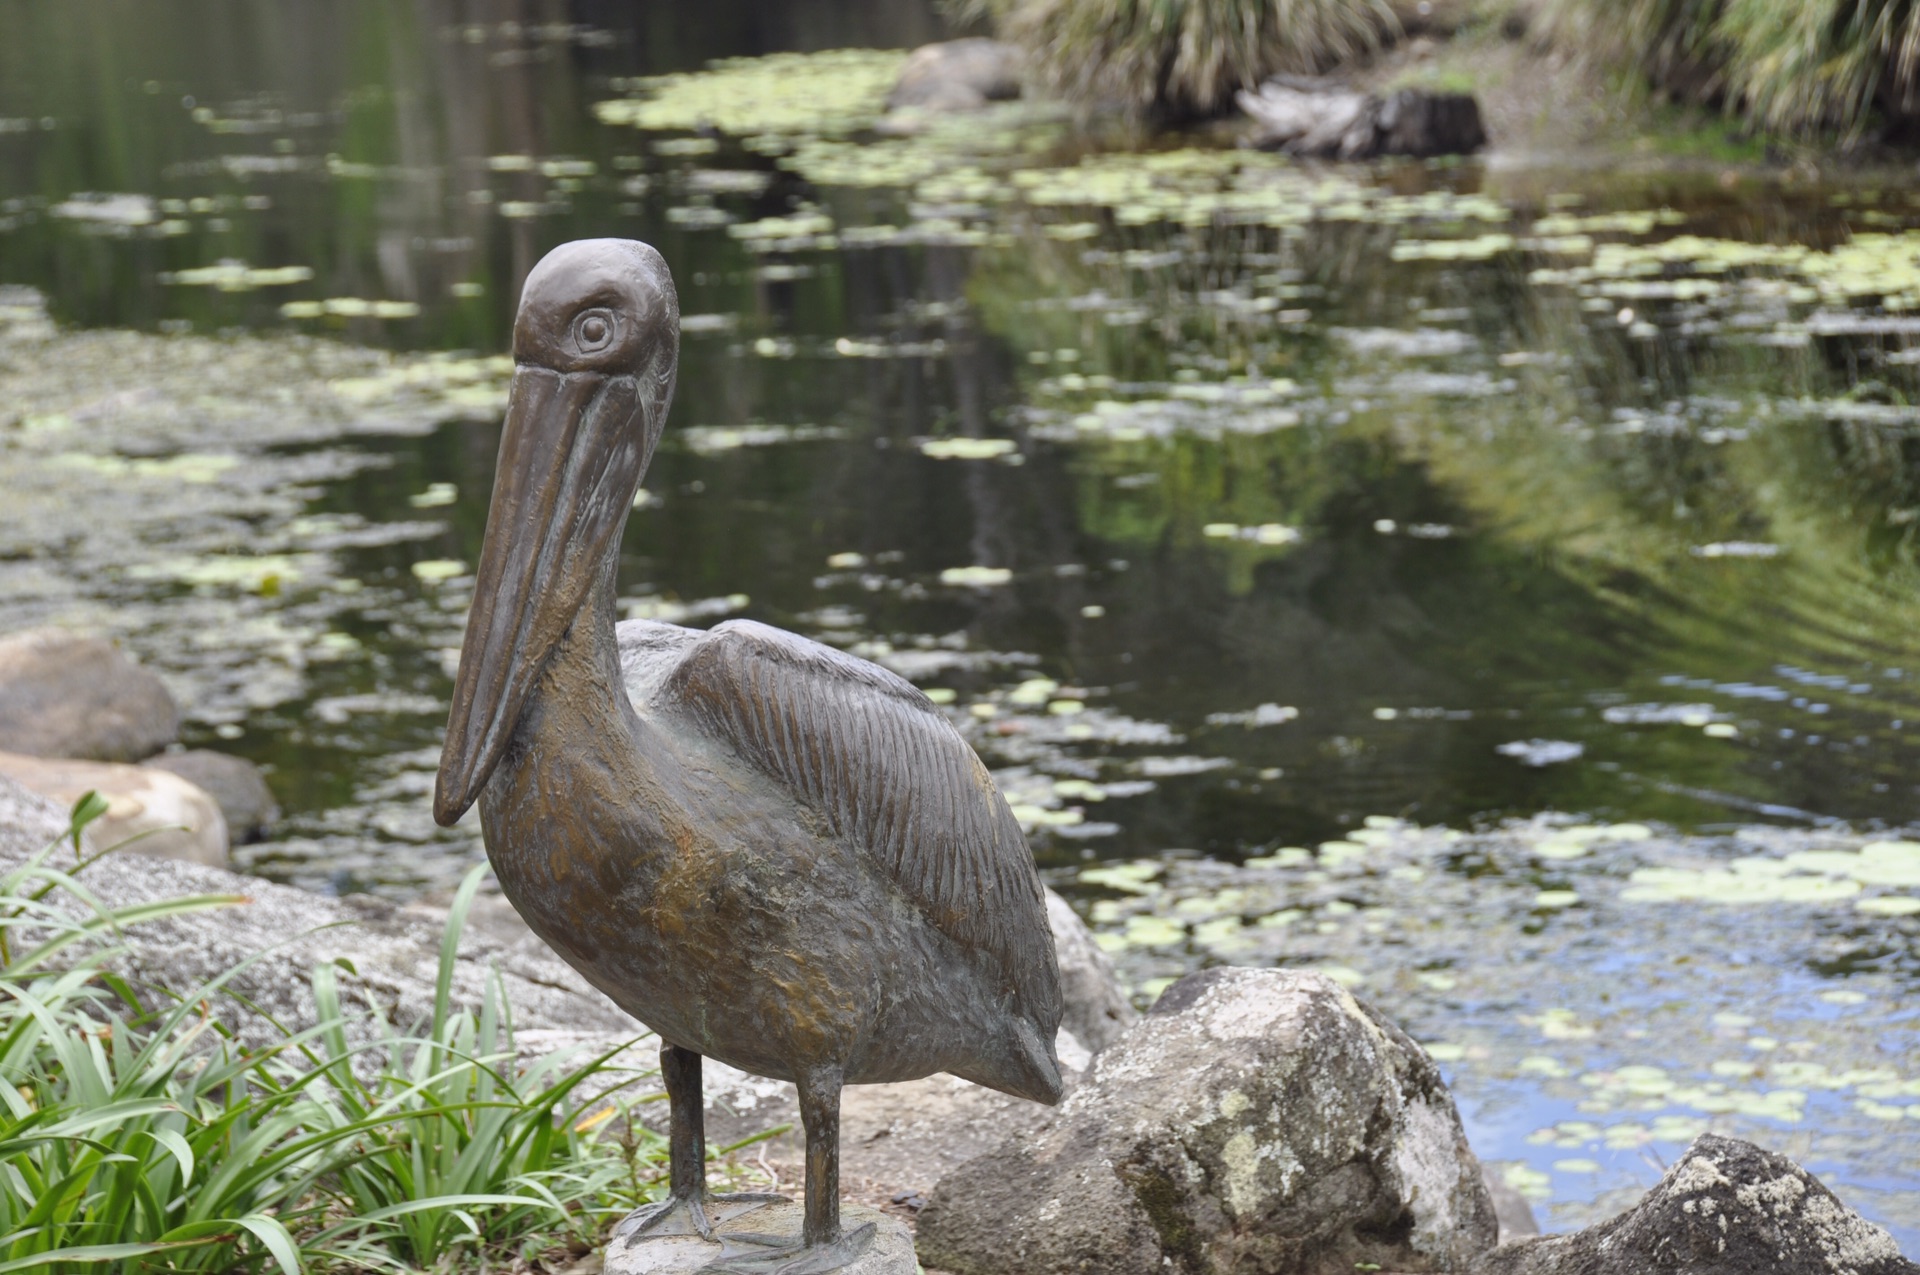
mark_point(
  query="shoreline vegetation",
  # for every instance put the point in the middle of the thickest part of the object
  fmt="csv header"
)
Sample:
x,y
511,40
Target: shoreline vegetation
x,y
143,1132
1737,81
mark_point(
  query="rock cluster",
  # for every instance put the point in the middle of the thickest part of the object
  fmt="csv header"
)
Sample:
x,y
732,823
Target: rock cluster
x,y
75,709
1255,1120
1327,121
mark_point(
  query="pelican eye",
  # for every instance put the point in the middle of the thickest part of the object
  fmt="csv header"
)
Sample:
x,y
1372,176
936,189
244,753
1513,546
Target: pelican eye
x,y
593,331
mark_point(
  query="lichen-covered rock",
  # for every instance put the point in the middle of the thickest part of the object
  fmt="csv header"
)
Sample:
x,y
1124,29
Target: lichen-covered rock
x,y
1255,1120
234,782
958,75
1725,1208
149,812
1097,1011
67,695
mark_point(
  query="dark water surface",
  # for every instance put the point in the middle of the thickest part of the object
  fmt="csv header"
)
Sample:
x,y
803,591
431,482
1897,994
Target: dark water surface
x,y
1228,502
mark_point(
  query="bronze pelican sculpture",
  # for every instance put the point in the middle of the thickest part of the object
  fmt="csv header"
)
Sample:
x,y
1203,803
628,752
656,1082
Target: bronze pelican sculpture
x,y
766,850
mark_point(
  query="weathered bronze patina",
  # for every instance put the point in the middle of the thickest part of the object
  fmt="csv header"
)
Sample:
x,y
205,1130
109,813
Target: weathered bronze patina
x,y
764,849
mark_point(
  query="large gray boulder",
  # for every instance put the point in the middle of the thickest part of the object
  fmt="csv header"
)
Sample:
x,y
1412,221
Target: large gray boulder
x,y
66,695
1255,1120
958,75
1097,1011
1725,1208
234,782
149,812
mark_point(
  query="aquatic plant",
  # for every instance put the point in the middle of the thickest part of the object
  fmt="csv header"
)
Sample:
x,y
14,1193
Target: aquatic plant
x,y
151,1137
1184,58
1789,65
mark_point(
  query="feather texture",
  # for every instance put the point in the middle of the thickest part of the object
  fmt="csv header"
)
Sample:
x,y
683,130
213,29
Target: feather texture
x,y
877,762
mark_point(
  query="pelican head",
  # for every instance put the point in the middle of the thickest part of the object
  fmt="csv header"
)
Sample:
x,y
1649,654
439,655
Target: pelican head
x,y
595,346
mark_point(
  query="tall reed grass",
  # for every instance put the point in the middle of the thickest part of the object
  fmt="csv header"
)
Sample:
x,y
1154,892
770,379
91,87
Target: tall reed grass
x,y
1183,58
1797,67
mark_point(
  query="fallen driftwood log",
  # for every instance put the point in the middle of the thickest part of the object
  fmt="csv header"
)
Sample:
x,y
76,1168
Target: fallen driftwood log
x,y
1325,120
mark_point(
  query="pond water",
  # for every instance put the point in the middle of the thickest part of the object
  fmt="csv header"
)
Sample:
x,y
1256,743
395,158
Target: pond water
x,y
1241,510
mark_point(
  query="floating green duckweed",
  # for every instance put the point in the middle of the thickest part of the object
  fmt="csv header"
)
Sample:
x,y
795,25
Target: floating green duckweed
x,y
976,577
1528,1181
237,276
438,570
1133,878
968,448
1479,248
1034,690
190,467
796,232
1267,533
119,210
255,573
350,308
708,440
827,94
1810,877
674,611
1616,223
1869,267
1889,905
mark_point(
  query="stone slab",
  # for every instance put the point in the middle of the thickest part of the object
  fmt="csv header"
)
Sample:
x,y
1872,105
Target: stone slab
x,y
890,1252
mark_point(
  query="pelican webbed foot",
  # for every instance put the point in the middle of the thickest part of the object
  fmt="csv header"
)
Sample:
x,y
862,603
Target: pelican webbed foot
x,y
690,1215
689,1209
672,1216
778,1255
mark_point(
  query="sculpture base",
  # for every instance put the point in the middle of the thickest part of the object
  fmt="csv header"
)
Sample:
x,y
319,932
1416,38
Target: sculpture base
x,y
890,1253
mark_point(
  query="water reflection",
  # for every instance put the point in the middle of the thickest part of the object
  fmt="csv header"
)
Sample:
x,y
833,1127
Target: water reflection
x,y
362,141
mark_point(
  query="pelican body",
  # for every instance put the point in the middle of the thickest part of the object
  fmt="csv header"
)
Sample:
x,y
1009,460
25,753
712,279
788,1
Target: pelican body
x,y
766,850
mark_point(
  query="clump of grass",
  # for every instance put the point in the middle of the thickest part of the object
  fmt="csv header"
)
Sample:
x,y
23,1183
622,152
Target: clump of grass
x,y
1183,58
1796,67
147,1140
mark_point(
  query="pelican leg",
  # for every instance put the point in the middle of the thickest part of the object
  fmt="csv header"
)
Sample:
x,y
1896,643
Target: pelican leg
x,y
684,1210
822,1248
820,1116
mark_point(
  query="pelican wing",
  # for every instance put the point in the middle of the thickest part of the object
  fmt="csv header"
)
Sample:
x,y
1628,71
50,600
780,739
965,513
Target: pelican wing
x,y
872,756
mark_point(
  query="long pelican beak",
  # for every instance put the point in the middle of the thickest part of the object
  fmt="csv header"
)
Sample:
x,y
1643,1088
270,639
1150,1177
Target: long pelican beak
x,y
570,462
596,345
